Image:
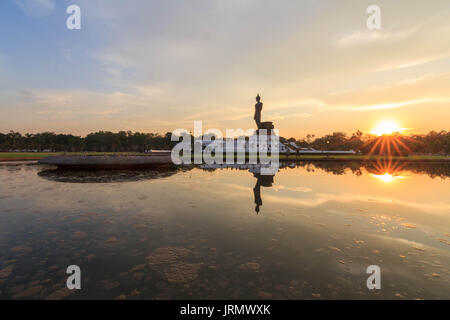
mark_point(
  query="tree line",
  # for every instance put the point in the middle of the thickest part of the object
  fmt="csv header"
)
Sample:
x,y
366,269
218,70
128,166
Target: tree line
x,y
127,141
102,141
396,144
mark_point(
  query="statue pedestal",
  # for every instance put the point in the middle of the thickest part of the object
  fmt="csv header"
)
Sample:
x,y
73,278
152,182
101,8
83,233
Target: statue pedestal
x,y
268,126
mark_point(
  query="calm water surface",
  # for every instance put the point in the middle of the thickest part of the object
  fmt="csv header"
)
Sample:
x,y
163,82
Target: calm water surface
x,y
309,232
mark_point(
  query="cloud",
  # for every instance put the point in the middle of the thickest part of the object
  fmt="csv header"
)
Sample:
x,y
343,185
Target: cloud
x,y
410,63
25,95
296,115
36,8
318,199
393,105
298,103
371,37
81,112
295,189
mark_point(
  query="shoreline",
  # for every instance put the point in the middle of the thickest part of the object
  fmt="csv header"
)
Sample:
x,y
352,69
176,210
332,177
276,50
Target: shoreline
x,y
12,157
18,159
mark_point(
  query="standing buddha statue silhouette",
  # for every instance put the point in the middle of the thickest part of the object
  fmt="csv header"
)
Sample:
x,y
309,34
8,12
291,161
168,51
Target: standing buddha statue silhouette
x,y
258,109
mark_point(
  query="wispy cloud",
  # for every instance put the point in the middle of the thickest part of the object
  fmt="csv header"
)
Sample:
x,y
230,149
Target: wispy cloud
x,y
296,115
298,103
369,37
36,7
409,63
318,199
393,105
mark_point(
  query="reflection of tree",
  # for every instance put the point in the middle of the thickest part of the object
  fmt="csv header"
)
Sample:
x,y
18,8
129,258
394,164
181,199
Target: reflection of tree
x,y
334,167
441,169
262,180
432,169
107,176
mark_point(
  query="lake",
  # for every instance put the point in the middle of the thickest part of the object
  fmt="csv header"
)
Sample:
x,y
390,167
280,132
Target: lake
x,y
309,232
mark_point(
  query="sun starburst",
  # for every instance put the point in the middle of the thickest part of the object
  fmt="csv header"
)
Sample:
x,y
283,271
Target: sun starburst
x,y
386,127
388,140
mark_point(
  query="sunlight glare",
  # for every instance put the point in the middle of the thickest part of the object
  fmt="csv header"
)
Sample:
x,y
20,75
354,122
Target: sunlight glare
x,y
386,128
387,177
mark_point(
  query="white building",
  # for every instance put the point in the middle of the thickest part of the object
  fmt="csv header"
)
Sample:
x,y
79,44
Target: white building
x,y
239,146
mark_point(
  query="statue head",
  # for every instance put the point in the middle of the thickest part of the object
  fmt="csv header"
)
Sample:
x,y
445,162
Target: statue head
x,y
258,98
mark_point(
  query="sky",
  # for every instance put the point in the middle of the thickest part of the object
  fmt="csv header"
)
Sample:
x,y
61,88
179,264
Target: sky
x,y
155,66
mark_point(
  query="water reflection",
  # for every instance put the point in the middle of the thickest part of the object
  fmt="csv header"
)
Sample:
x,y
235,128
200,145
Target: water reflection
x,y
192,233
385,170
261,180
108,176
387,177
381,167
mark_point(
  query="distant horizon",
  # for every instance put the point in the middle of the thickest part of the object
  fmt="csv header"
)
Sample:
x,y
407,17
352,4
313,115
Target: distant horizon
x,y
316,135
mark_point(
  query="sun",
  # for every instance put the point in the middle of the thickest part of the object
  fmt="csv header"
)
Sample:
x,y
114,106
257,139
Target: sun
x,y
386,127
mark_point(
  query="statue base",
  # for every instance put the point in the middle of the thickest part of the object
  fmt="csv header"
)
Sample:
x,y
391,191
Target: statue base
x,y
268,125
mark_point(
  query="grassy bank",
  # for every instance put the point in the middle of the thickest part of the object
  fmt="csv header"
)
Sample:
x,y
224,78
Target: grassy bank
x,y
365,157
23,156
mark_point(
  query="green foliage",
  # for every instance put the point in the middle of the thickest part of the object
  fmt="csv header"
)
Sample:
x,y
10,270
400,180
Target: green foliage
x,y
431,143
127,141
102,141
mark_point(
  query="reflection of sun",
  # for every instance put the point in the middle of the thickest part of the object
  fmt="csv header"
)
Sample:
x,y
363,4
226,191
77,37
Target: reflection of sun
x,y
387,177
387,170
385,128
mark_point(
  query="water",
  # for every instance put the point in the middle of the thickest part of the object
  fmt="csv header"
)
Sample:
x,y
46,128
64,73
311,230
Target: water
x,y
309,232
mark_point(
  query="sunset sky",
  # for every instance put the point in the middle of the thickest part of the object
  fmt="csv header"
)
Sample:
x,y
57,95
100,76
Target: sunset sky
x,y
155,66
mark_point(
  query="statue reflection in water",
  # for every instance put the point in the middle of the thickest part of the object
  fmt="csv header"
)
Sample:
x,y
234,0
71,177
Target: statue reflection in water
x,y
262,180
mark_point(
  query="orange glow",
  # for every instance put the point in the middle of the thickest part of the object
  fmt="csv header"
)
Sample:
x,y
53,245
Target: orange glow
x,y
387,171
386,128
387,177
